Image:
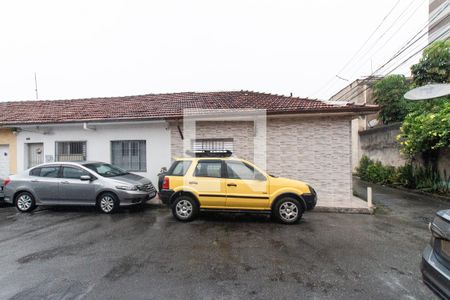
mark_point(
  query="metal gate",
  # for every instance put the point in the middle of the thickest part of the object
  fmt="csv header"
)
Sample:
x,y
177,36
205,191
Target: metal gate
x,y
35,154
4,161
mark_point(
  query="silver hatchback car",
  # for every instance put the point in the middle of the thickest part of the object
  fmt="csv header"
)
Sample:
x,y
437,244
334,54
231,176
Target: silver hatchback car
x,y
86,183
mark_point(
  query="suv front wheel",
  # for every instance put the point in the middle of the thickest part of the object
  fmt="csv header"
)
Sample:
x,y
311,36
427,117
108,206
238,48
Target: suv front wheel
x,y
185,209
288,210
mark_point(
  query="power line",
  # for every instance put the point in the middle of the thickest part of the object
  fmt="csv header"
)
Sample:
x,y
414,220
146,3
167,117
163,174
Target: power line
x,y
402,63
373,53
362,46
407,44
403,49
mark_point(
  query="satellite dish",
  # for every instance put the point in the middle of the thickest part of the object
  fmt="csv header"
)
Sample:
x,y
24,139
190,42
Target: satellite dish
x,y
428,91
373,123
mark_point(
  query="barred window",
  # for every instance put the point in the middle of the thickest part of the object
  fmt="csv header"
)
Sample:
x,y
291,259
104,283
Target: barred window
x,y
129,155
70,151
212,144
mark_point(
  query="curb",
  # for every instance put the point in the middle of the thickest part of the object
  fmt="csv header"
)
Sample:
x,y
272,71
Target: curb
x,y
345,210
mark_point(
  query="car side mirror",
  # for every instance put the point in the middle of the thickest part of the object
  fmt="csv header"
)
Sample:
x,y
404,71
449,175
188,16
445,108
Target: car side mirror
x,y
85,178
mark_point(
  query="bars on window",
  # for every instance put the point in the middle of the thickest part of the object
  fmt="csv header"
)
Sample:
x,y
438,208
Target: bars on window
x,y
70,151
212,144
129,155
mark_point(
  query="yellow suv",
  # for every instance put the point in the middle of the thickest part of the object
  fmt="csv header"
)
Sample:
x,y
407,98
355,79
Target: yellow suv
x,y
217,182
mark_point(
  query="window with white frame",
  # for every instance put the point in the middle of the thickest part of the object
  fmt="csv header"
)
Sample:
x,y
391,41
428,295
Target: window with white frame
x,y
212,144
129,155
70,151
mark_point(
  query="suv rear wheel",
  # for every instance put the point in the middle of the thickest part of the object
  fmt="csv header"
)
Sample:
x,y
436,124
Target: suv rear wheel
x,y
185,209
288,210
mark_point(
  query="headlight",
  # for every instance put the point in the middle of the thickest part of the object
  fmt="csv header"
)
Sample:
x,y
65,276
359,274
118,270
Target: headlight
x,y
126,187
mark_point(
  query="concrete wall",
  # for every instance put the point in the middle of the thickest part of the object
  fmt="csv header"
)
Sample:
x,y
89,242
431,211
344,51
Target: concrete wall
x,y
313,149
98,142
380,144
8,138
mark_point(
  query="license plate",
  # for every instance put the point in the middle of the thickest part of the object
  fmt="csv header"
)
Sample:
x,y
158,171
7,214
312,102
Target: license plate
x,y
445,247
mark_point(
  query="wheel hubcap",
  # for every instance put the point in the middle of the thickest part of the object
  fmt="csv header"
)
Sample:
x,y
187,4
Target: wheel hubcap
x,y
24,202
288,211
107,203
184,209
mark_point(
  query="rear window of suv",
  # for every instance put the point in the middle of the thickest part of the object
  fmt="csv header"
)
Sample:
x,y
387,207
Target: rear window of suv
x,y
179,168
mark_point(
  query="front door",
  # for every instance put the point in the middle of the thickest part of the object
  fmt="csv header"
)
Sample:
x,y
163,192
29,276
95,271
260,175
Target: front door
x,y
247,188
73,190
4,161
35,154
208,181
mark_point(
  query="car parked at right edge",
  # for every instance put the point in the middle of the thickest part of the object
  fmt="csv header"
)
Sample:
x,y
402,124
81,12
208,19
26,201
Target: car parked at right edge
x,y
435,265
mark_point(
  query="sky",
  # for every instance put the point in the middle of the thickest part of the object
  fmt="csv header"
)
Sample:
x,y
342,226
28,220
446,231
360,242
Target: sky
x,y
96,48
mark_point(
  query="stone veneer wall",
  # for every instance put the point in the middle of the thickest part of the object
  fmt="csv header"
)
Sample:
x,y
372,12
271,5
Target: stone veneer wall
x,y
313,149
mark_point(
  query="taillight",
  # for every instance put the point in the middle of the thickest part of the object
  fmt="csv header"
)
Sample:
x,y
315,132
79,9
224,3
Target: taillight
x,y
6,181
165,184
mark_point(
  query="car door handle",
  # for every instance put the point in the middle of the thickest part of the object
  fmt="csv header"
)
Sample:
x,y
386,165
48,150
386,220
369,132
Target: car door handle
x,y
65,182
232,184
193,182
34,180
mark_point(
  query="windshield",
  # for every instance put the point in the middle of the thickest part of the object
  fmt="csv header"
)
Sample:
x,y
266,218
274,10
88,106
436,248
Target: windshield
x,y
106,170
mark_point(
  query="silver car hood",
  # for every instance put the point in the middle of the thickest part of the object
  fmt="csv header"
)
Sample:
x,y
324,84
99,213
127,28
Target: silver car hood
x,y
130,178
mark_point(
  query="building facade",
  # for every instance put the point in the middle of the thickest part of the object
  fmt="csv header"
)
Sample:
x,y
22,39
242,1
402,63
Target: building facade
x,y
359,92
297,138
439,20
138,147
8,161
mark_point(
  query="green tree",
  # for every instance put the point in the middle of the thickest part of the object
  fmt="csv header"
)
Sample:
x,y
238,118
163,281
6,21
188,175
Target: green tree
x,y
426,129
388,93
434,66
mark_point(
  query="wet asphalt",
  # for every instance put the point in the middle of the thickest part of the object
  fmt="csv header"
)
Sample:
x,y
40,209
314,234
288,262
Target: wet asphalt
x,y
78,253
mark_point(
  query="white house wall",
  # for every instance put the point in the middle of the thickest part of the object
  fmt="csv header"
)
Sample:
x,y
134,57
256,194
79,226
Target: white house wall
x,y
98,142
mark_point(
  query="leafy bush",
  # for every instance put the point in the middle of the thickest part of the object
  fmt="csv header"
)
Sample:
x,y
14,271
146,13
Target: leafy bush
x,y
364,163
372,171
409,176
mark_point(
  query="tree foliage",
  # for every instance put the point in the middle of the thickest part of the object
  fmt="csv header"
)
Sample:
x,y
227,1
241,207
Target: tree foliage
x,y
426,130
389,93
434,66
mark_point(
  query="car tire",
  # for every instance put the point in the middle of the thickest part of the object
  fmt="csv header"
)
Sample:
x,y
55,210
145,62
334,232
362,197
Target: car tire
x,y
25,202
185,209
288,210
108,203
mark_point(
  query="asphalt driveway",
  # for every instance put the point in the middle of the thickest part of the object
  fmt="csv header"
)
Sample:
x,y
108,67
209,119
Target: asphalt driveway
x,y
75,253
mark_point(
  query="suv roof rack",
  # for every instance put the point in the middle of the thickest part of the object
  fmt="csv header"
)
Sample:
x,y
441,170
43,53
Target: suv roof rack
x,y
209,153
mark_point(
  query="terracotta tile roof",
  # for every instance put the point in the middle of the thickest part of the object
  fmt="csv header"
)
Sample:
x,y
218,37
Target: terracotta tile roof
x,y
160,106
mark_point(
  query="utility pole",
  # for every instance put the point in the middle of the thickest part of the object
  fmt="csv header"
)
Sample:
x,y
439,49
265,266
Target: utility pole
x,y
36,86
